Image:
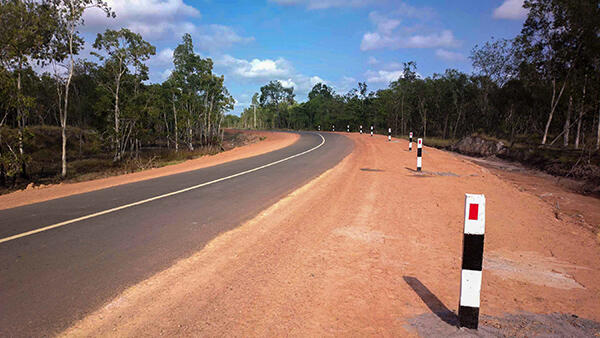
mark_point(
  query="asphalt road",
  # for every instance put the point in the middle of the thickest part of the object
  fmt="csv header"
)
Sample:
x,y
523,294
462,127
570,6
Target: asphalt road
x,y
52,278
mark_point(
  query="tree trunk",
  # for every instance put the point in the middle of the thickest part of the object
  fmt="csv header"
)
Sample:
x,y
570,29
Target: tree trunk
x,y
64,110
21,124
189,127
117,117
210,126
567,126
581,111
175,125
2,169
598,133
553,105
402,115
167,129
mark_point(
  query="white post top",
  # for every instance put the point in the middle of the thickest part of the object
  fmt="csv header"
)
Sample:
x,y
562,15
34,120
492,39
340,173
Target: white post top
x,y
474,214
410,134
390,130
420,143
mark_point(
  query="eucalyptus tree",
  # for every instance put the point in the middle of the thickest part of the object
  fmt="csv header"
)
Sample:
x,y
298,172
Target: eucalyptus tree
x,y
66,44
26,33
556,37
192,76
121,50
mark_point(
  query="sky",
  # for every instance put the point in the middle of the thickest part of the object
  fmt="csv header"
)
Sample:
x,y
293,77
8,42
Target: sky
x,y
303,42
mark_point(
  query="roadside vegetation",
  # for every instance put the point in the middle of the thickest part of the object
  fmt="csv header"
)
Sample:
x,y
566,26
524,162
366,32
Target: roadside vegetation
x,y
538,92
62,116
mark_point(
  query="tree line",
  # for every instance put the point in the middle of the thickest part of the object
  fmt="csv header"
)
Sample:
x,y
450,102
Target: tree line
x,y
110,96
542,86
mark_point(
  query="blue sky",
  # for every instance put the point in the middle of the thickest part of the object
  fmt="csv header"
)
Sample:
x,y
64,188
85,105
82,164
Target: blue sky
x,y
303,42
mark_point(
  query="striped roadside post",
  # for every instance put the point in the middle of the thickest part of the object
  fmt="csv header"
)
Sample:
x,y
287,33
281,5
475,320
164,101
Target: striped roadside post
x,y
348,128
419,153
371,130
472,259
361,129
389,134
333,127
319,128
410,141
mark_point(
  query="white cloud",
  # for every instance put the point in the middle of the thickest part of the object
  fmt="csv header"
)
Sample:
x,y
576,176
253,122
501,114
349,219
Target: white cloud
x,y
163,20
148,17
165,74
261,71
449,56
389,34
407,11
384,24
511,10
214,37
255,68
376,40
163,57
383,76
289,83
324,4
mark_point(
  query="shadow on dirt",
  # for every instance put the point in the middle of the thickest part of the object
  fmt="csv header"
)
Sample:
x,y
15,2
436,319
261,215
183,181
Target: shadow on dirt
x,y
433,303
372,170
430,173
442,322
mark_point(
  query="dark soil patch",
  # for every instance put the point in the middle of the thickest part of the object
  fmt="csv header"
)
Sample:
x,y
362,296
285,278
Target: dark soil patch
x,y
511,325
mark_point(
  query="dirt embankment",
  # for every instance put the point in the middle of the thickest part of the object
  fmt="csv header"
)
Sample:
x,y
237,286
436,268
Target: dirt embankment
x,y
370,248
580,164
271,141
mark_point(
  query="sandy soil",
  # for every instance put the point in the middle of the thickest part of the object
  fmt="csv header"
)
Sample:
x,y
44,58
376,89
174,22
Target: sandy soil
x,y
272,141
561,193
365,249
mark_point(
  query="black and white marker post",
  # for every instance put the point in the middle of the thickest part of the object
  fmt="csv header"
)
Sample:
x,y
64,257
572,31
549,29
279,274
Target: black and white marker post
x,y
361,129
371,130
348,128
389,134
333,127
319,128
419,153
410,141
472,259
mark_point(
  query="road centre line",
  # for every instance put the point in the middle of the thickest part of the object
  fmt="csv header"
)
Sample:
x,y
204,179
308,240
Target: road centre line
x,y
108,211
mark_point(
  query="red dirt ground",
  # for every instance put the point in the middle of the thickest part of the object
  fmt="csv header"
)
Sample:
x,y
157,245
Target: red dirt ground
x,y
272,141
362,250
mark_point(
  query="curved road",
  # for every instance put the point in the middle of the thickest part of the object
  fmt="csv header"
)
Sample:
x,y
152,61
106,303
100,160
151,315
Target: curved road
x,y
52,278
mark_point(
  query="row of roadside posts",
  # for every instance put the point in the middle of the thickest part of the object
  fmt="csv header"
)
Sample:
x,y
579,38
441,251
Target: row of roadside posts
x,y
472,253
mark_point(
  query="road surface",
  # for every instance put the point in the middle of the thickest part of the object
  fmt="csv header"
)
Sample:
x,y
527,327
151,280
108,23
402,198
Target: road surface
x,y
54,277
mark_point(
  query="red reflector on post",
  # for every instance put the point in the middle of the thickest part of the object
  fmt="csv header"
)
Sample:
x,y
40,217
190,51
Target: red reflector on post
x,y
473,211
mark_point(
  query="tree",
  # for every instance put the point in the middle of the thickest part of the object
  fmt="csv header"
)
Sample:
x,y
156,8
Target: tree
x,y
555,37
122,49
26,33
66,44
275,98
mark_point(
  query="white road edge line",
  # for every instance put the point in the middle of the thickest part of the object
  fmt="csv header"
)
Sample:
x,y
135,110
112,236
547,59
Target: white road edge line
x,y
108,211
